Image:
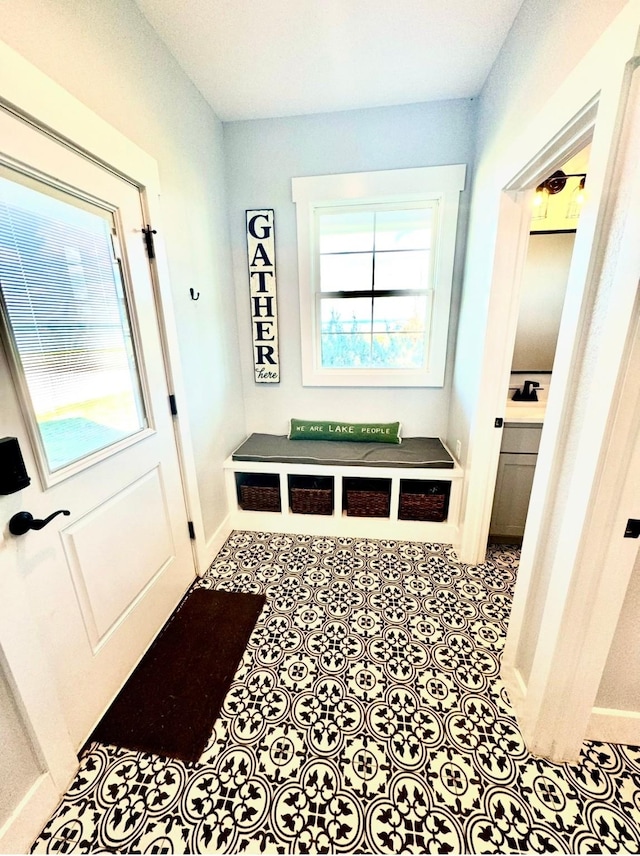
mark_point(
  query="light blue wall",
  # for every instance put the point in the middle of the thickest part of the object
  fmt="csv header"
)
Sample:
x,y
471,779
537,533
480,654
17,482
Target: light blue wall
x,y
546,42
261,157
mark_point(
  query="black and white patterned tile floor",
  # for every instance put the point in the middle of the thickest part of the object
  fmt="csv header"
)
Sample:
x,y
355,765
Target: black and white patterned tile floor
x,y
367,716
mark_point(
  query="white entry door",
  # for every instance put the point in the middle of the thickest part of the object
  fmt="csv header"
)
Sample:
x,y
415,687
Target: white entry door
x,y
83,387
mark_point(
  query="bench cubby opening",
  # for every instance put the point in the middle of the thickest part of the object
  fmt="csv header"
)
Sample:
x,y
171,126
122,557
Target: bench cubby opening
x,y
424,500
311,494
258,492
366,497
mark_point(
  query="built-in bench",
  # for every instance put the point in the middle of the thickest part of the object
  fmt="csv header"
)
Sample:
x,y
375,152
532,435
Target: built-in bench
x,y
409,491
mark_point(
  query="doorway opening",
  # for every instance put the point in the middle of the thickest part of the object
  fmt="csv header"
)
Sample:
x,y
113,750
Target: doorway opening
x,y
553,225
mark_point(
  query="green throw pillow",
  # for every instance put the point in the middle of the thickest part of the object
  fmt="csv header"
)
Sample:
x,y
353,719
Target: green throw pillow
x,y
358,432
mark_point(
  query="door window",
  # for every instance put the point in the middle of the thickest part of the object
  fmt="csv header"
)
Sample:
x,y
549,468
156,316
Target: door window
x,y
67,322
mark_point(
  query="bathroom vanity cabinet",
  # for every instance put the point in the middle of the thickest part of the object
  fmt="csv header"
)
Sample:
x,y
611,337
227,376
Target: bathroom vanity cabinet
x,y
518,455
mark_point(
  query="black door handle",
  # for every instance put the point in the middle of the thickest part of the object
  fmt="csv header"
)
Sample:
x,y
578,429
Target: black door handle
x,y
23,521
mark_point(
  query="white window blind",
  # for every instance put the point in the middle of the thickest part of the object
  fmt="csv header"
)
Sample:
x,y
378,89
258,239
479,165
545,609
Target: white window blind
x,y
65,310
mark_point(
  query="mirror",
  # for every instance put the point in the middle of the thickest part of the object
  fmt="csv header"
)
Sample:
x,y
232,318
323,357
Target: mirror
x,y
543,289
547,270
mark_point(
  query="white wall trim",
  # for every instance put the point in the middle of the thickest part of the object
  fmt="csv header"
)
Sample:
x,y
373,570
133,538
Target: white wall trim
x,y
590,563
553,133
509,262
614,726
431,184
551,656
385,185
569,141
516,689
29,676
51,107
216,542
22,827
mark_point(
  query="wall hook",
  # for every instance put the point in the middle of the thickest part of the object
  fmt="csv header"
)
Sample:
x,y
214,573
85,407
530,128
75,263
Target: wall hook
x,y
194,296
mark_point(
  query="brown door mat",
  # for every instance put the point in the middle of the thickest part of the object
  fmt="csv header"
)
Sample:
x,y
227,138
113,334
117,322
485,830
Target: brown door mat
x,y
171,701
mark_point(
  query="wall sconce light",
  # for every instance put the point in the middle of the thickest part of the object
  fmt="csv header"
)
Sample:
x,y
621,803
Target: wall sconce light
x,y
540,203
556,183
577,199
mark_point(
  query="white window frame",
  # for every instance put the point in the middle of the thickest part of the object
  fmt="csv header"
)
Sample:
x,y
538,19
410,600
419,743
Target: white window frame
x,y
441,184
49,476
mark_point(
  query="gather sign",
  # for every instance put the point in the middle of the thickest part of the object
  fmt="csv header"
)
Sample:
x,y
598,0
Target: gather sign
x,y
261,253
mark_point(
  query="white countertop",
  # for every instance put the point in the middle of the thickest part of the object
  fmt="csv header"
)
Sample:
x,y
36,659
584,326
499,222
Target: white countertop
x,y
525,411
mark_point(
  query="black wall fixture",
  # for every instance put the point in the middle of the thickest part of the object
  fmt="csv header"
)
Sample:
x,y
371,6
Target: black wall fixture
x,y
13,473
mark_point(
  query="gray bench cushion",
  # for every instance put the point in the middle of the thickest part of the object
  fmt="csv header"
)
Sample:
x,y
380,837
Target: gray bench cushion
x,y
423,452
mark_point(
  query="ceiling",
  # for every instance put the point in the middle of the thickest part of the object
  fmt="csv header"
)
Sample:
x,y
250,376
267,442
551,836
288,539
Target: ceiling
x,y
266,58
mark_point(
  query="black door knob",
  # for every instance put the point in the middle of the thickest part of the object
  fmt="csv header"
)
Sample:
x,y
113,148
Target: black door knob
x,y
23,521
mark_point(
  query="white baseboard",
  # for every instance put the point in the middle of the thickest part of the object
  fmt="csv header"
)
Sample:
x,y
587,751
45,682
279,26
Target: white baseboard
x,y
337,525
26,821
516,689
605,724
614,726
216,541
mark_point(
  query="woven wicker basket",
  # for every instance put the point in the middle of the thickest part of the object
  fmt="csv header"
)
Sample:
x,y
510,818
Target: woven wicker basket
x,y
259,498
367,503
422,506
306,500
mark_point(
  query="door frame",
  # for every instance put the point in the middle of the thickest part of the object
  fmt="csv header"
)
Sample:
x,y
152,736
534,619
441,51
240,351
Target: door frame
x,y
594,98
588,103
554,679
34,97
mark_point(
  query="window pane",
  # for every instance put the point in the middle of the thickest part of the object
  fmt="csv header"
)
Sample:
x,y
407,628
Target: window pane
x,y
350,232
399,350
399,338
66,308
408,269
381,332
409,229
401,314
346,272
400,326
346,332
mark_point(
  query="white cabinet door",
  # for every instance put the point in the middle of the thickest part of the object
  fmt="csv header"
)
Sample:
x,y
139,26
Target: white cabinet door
x,y
513,489
83,387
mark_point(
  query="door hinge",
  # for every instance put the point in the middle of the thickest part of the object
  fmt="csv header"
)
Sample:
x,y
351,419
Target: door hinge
x,y
498,423
633,528
192,531
173,407
148,234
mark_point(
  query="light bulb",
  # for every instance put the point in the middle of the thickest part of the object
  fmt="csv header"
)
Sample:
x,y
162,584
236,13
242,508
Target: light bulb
x,y
540,202
576,202
539,198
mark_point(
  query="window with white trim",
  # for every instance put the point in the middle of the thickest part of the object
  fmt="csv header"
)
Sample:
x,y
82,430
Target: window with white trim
x,y
375,255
